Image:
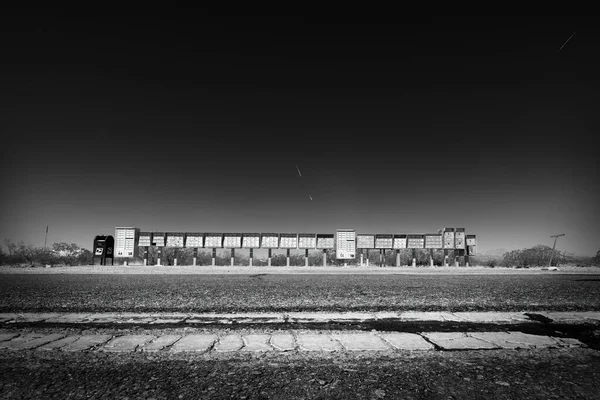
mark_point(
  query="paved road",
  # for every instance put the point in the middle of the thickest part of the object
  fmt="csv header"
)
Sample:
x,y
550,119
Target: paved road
x,y
289,293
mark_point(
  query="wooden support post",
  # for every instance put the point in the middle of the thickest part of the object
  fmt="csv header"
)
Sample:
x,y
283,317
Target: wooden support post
x,y
159,256
195,255
414,257
554,247
232,256
287,258
397,258
380,257
269,258
146,255
251,256
324,257
306,257
367,255
445,257
214,256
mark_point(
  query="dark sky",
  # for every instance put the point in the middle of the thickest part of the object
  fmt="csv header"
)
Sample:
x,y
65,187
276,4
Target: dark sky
x,y
184,120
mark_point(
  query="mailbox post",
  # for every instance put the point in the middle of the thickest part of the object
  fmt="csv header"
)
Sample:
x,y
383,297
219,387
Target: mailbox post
x,y
269,258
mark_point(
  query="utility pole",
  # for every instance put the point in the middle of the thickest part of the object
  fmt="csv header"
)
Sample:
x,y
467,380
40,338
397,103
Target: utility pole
x,y
46,238
553,247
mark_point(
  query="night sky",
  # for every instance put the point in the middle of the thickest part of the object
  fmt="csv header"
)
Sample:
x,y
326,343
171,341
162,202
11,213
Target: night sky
x,y
183,120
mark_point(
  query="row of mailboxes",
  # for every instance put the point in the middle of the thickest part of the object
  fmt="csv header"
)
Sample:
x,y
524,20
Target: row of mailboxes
x,y
449,240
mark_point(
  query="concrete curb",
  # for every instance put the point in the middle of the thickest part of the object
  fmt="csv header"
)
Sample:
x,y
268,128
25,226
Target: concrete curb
x,y
199,319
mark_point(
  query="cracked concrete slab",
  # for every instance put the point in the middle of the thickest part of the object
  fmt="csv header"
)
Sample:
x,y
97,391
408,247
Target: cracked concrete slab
x,y
283,342
194,343
457,341
59,343
569,342
17,342
229,343
362,342
126,344
256,343
30,341
86,342
406,341
7,336
317,342
515,340
159,343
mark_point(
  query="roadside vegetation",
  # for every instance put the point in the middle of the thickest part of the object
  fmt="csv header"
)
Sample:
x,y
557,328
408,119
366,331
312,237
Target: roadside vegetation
x,y
64,254
20,254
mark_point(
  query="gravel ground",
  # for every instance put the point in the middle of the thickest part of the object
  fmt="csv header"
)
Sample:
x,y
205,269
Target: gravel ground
x,y
267,292
495,374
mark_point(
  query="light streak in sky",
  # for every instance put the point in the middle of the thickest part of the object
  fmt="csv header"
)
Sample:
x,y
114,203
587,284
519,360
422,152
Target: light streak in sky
x,y
561,47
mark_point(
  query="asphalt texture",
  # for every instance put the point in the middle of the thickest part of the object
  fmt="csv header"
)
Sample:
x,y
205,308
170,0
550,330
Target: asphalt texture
x,y
271,292
494,374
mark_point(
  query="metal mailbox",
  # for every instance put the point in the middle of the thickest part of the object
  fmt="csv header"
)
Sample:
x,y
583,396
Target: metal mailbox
x,y
104,248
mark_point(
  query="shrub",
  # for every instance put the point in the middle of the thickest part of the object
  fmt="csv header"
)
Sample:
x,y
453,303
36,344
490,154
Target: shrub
x,y
534,257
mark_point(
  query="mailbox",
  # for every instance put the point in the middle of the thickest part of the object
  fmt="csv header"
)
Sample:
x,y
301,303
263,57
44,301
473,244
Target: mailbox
x,y
104,248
